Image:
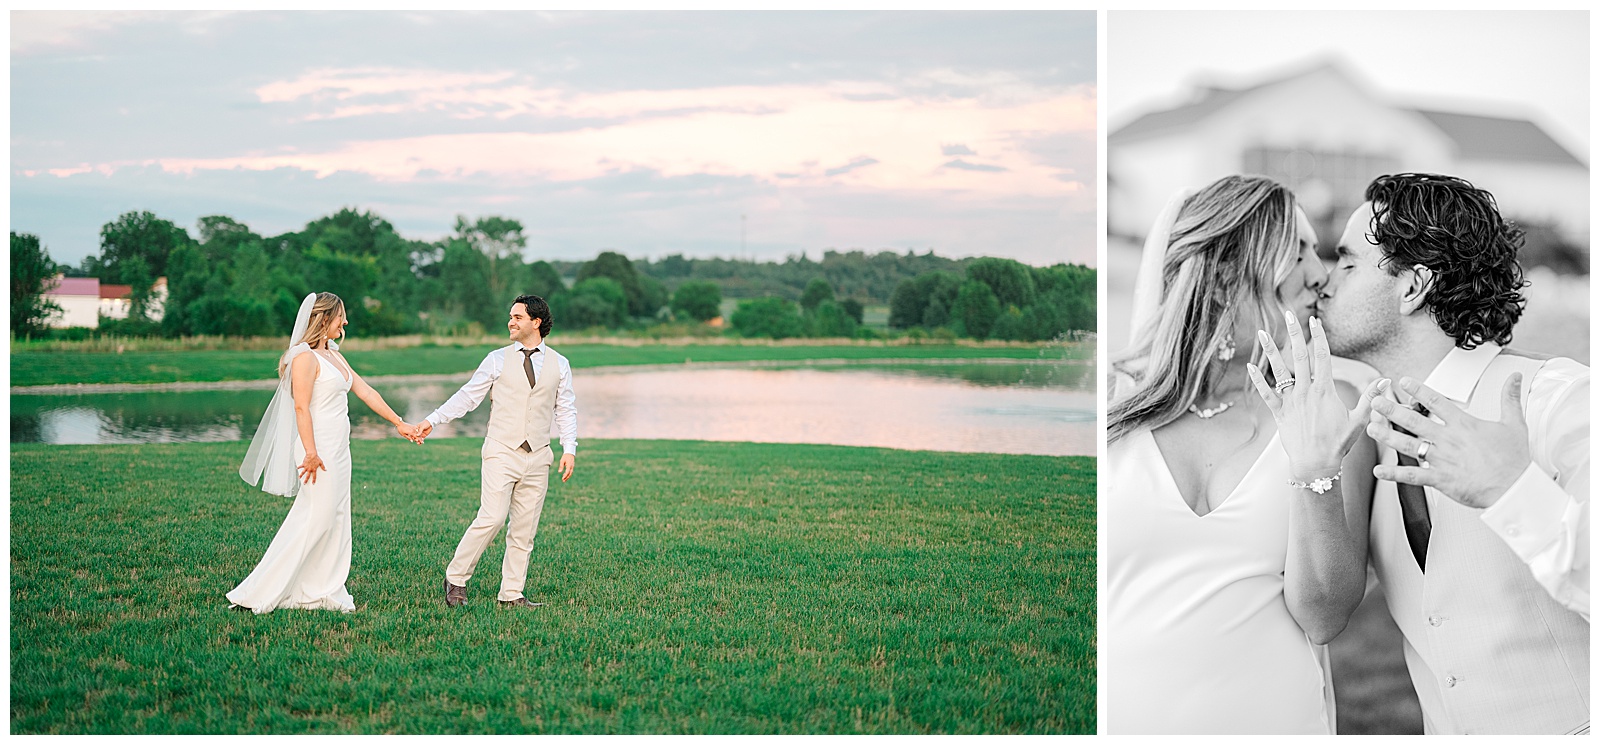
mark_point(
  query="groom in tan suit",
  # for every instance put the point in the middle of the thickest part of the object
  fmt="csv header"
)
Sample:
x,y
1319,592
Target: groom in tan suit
x,y
529,386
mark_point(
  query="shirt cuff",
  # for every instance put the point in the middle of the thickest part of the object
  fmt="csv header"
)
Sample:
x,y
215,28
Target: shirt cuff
x,y
1528,516
435,419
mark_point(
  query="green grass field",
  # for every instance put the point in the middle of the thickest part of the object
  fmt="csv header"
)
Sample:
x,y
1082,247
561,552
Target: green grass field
x,y
692,587
52,368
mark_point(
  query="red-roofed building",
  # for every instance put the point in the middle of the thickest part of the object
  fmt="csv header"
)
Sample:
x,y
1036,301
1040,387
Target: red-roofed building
x,y
79,298
84,300
116,301
1326,136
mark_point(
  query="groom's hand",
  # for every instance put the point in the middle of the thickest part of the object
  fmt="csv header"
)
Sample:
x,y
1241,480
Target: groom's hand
x,y
424,428
567,462
1471,460
409,432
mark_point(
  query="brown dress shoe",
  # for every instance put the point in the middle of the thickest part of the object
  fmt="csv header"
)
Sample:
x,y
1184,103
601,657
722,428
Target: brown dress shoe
x,y
518,603
455,596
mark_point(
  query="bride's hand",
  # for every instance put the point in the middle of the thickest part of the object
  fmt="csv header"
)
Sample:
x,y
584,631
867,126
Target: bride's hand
x,y
308,469
1314,426
409,432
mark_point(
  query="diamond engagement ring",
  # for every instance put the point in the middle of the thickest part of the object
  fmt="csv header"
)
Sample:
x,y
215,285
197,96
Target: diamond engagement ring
x,y
1284,385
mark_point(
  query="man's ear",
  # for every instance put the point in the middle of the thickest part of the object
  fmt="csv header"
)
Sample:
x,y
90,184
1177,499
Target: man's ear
x,y
1413,289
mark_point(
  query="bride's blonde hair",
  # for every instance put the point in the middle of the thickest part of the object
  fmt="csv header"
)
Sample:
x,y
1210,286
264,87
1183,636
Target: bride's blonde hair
x,y
322,324
1231,245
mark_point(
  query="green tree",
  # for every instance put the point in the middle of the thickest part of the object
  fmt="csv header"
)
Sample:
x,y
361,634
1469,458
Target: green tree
x,y
619,269
853,308
698,299
912,302
1066,300
464,282
976,309
1012,325
817,292
398,289
772,317
188,275
139,234
906,304
32,271
655,294
596,301
830,320
1011,281
501,242
136,272
542,280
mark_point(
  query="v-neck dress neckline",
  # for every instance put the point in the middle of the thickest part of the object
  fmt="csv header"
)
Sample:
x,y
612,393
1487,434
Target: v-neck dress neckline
x,y
1196,636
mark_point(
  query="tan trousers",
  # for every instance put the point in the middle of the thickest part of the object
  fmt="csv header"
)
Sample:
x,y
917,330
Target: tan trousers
x,y
513,485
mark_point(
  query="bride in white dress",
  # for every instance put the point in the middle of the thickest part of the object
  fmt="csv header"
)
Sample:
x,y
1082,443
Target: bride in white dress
x,y
1223,581
302,450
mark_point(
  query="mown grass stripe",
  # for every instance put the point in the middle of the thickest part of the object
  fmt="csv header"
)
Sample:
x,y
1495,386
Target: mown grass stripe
x,y
693,587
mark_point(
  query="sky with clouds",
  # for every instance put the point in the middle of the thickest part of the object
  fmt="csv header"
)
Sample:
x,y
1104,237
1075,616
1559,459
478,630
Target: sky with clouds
x,y
647,133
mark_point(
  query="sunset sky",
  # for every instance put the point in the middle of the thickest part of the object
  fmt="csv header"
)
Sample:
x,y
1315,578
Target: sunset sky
x,y
646,133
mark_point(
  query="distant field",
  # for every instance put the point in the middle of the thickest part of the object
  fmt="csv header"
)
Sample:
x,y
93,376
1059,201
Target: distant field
x,y
53,368
692,588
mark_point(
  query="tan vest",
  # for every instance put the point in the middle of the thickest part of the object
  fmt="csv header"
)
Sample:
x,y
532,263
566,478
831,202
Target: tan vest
x,y
518,413
1489,651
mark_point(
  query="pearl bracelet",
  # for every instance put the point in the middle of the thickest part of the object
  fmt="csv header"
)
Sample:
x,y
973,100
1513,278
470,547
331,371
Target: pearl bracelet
x,y
1319,486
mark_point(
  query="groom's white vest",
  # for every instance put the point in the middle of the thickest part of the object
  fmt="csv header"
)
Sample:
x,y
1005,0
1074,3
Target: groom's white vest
x,y
1488,649
518,413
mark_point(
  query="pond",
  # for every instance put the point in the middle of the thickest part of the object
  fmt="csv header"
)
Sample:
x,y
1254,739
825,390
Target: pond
x,y
1041,408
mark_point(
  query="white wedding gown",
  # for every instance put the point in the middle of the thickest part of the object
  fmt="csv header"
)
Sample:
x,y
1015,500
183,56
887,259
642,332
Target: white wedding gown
x,y
1197,638
309,559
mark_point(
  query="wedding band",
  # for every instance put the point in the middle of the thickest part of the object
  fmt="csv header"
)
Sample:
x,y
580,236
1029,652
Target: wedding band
x,y
1422,450
1284,385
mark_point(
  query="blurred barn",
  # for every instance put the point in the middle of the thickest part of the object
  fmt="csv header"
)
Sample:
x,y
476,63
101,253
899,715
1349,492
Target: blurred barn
x,y
1326,135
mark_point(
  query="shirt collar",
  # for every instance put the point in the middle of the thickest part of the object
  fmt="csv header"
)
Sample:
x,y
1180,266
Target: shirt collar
x,y
1458,373
519,346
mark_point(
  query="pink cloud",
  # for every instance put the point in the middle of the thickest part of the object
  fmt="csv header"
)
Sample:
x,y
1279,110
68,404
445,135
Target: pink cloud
x,y
851,134
798,131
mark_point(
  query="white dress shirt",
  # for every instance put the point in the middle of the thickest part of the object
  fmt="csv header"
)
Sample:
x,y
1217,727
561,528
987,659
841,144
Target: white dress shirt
x,y
472,394
1544,516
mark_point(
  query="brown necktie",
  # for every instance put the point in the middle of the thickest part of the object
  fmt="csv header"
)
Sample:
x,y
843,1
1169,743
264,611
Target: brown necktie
x,y
527,367
1414,505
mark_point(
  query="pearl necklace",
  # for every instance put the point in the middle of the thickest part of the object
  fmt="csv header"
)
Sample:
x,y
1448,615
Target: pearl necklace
x,y
1208,413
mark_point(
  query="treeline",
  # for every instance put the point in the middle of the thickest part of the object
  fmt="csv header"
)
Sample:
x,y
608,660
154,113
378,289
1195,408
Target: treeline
x,y
999,299
233,281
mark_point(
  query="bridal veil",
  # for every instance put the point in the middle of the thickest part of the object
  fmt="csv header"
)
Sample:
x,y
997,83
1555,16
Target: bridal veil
x,y
270,459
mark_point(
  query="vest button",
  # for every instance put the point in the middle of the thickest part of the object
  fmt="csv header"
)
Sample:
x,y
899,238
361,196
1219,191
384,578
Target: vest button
x,y
1451,680
1435,620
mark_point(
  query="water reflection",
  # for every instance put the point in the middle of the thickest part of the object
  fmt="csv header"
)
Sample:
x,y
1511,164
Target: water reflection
x,y
1032,408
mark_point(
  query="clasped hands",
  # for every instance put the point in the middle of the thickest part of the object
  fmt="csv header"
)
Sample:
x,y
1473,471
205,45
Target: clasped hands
x,y
415,432
420,431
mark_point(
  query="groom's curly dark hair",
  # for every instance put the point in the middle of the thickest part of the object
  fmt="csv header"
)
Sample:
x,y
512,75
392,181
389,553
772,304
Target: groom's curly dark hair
x,y
1453,228
537,309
